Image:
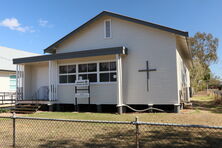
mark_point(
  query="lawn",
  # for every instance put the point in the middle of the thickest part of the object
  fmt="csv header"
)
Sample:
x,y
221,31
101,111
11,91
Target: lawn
x,y
43,134
204,112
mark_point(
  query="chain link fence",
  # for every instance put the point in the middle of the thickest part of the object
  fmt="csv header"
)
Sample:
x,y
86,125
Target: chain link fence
x,y
45,133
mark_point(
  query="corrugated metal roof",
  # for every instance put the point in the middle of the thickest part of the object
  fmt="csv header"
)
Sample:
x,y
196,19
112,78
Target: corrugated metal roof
x,y
7,54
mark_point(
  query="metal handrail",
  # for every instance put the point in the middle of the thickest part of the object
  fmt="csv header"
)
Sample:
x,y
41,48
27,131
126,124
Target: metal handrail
x,y
11,95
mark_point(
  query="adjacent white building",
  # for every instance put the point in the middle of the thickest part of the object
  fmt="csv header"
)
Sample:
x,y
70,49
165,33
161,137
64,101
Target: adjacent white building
x,y
113,52
8,69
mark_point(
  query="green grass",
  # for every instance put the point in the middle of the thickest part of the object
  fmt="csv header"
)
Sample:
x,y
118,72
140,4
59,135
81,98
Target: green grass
x,y
3,110
206,103
192,116
96,116
202,98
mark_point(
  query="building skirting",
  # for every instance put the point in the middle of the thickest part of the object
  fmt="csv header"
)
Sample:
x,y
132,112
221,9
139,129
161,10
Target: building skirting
x,y
103,108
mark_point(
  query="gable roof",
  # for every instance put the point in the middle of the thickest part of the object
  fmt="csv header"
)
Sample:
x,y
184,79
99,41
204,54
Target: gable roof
x,y
52,47
6,56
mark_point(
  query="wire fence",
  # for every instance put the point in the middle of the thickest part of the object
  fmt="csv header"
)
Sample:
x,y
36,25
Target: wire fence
x,y
217,95
44,133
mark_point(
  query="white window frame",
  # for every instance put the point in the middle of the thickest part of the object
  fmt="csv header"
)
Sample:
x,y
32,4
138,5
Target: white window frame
x,y
110,71
105,29
66,74
83,73
97,72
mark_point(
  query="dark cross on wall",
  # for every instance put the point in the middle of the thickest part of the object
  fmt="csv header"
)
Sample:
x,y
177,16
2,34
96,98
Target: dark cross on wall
x,y
147,70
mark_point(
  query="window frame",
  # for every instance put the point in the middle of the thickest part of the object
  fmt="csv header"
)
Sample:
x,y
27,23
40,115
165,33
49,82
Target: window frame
x,y
66,74
97,72
109,20
87,73
10,82
108,71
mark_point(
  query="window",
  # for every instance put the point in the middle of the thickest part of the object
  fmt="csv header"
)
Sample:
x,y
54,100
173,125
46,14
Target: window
x,y
88,71
107,72
94,72
12,83
107,28
67,74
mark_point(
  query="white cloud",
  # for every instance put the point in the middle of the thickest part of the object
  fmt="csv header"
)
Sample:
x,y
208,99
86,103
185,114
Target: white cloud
x,y
13,24
44,23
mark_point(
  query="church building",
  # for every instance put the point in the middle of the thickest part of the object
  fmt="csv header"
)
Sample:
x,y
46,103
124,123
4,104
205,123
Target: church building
x,y
129,63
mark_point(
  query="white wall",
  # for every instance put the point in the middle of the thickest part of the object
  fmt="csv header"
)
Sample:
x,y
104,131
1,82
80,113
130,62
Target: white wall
x,y
143,43
36,75
5,81
28,82
183,76
100,93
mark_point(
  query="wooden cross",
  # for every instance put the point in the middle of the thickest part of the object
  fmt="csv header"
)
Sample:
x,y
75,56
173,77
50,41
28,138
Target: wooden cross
x,y
147,70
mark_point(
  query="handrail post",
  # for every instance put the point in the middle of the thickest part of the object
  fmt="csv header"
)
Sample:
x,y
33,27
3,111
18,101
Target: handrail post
x,y
13,119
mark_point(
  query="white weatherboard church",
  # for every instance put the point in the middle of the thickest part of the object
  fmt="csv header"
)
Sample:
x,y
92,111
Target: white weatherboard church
x,y
128,62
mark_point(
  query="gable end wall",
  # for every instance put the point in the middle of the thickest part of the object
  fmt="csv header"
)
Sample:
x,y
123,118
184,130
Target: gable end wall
x,y
143,43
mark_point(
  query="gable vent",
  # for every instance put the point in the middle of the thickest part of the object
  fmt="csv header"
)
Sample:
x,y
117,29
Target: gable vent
x,y
107,28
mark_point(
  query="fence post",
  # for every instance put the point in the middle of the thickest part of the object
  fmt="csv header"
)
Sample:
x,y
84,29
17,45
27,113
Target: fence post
x,y
13,119
137,132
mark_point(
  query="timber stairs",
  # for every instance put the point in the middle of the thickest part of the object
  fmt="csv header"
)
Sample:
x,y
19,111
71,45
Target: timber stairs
x,y
26,108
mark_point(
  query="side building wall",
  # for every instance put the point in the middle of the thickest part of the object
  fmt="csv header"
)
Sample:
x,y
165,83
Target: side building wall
x,y
183,79
5,81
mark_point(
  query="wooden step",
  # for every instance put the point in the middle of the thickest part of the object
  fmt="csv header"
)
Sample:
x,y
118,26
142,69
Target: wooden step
x,y
23,112
26,105
25,108
34,109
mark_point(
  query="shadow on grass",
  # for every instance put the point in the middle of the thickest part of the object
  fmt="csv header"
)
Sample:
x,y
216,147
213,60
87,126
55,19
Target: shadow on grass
x,y
150,136
210,105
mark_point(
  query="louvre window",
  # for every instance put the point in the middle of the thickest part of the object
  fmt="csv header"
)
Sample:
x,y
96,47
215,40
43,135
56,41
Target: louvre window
x,y
12,84
107,29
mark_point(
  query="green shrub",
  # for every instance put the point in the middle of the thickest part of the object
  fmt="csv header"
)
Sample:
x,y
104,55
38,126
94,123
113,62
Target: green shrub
x,y
3,110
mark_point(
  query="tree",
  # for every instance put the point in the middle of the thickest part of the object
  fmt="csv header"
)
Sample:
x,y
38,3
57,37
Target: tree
x,y
215,81
204,53
204,48
197,75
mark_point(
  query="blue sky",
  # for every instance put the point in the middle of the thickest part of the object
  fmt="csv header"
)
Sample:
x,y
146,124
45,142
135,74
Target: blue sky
x,y
33,25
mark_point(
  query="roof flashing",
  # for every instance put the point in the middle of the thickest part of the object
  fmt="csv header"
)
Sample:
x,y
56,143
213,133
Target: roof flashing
x,y
69,55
